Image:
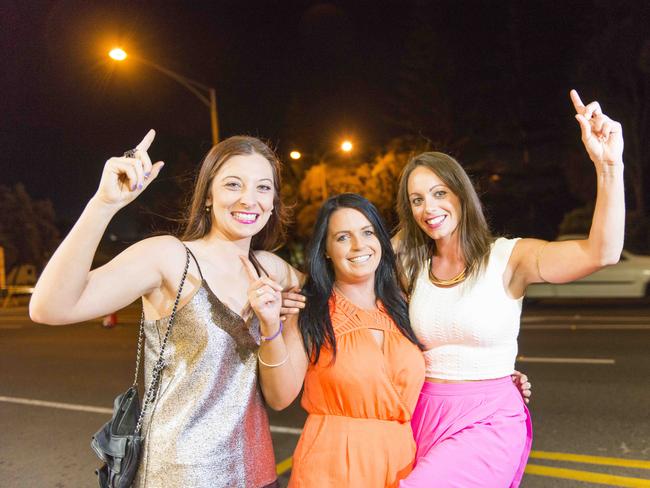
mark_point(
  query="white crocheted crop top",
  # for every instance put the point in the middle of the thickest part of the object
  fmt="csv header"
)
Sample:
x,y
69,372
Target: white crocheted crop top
x,y
470,330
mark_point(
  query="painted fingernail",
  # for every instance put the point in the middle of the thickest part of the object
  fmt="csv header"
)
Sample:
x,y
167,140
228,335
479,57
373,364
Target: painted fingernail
x,y
139,186
146,175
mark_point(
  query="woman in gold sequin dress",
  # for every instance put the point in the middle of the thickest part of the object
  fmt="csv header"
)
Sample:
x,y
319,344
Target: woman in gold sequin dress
x,y
208,426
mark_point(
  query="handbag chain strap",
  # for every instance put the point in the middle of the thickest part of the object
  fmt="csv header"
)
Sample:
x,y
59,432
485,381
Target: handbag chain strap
x,y
139,353
150,394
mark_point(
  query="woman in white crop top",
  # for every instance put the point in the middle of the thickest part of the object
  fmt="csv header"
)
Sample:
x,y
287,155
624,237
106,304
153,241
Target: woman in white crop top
x,y
471,425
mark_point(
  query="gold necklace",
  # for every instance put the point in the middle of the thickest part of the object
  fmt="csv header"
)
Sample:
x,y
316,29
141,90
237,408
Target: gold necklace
x,y
451,281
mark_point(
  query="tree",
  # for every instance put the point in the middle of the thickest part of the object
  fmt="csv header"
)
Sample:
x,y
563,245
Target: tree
x,y
323,180
27,227
376,178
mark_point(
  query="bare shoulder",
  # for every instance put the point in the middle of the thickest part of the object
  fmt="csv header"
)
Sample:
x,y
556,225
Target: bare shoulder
x,y
273,263
400,254
526,246
395,241
161,246
279,269
523,260
169,256
166,252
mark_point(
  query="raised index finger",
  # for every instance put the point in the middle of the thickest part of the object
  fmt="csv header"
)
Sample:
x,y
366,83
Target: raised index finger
x,y
577,102
146,142
250,269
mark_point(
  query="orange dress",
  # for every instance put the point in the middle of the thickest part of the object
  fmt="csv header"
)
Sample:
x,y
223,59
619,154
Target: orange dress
x,y
358,432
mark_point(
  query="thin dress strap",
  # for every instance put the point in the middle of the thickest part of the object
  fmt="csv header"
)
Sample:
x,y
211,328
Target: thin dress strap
x,y
195,261
256,264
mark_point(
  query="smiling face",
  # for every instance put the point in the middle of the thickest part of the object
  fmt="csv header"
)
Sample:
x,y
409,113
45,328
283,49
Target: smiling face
x,y
436,209
352,246
241,196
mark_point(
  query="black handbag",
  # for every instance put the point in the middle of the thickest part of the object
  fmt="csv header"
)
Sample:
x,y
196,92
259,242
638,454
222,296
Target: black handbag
x,y
119,442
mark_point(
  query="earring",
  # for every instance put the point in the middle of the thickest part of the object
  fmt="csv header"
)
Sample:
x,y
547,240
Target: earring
x,y
207,209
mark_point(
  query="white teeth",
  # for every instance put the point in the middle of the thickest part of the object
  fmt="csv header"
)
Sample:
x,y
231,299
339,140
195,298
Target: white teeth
x,y
360,259
245,217
435,220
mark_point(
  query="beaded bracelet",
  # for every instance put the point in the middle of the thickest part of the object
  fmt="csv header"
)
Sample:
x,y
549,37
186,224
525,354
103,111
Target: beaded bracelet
x,y
277,333
271,365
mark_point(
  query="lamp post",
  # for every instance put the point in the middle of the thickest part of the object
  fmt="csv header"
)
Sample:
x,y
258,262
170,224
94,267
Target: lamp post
x,y
207,95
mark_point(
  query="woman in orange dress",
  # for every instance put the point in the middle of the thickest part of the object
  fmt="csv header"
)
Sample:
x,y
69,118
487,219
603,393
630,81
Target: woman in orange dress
x,y
363,369
358,432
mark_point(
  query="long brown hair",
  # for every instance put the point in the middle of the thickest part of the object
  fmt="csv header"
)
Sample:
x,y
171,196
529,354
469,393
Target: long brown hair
x,y
416,247
199,222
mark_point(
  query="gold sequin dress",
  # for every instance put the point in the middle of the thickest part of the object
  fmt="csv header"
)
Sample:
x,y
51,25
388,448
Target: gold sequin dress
x,y
208,427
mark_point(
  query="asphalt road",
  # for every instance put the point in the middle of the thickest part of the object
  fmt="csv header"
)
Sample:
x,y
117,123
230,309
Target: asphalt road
x,y
589,365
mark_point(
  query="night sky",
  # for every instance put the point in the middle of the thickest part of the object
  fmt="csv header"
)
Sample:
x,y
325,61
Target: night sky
x,y
301,74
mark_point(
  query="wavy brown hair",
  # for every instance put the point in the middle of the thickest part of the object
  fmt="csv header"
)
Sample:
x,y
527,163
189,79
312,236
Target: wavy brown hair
x,y
415,246
198,222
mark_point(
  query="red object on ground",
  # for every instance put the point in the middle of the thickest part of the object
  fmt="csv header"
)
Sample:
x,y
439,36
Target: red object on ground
x,y
110,321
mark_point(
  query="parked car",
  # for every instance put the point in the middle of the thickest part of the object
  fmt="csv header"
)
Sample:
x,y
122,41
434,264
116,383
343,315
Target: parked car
x,y
629,278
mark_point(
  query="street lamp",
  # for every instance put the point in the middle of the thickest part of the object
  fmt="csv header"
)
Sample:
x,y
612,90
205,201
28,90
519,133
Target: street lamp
x,y
346,147
118,54
206,94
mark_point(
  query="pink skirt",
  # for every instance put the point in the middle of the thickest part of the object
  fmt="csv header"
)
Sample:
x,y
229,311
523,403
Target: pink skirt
x,y
474,434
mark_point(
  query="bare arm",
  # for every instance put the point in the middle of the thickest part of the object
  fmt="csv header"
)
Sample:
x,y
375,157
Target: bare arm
x,y
67,291
281,384
282,359
535,261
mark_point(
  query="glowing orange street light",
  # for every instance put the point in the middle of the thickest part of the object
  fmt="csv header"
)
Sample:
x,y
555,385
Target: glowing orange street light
x,y
118,54
206,94
295,155
346,146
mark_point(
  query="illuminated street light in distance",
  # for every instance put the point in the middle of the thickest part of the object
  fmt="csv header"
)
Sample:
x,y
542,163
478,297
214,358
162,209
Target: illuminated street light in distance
x,y
117,53
295,155
346,146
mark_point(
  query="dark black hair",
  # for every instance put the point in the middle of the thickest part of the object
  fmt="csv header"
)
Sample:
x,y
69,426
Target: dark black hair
x,y
314,320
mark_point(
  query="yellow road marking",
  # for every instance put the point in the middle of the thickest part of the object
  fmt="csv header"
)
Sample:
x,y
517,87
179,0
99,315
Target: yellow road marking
x,y
572,474
598,478
283,466
580,458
